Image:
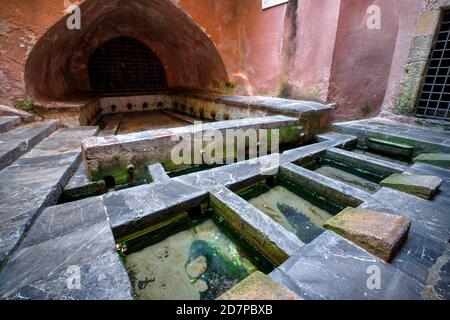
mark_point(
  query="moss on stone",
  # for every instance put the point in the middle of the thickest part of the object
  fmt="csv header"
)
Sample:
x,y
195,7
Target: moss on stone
x,y
436,159
253,236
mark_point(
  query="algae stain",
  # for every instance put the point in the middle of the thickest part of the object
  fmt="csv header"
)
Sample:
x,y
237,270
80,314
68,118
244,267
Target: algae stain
x,y
200,263
292,212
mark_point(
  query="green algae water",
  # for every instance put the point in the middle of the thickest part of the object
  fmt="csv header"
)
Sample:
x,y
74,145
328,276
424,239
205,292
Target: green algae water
x,y
197,264
348,178
294,213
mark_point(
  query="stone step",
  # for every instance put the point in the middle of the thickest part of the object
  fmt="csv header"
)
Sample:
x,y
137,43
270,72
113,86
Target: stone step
x,y
35,181
17,142
8,123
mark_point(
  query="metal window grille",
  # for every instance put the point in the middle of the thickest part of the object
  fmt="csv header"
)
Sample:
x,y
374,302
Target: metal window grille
x,y
125,64
434,100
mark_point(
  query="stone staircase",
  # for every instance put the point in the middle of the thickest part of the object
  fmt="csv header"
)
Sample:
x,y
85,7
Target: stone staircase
x,y
36,161
8,123
17,141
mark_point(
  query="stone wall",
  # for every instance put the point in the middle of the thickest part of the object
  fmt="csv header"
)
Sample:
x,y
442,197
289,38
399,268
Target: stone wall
x,y
417,31
318,50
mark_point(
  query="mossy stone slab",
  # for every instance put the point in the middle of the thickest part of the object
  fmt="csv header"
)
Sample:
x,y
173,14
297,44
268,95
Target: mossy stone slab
x,y
258,286
422,186
381,234
391,148
436,159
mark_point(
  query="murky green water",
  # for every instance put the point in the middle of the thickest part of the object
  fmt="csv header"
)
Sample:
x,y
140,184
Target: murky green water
x,y
294,213
348,178
197,264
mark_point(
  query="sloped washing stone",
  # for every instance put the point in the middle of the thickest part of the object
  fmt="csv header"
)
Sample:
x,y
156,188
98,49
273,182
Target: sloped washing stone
x,y
332,268
392,148
101,279
372,166
36,179
67,237
380,233
17,142
258,286
8,123
425,187
274,241
133,210
435,159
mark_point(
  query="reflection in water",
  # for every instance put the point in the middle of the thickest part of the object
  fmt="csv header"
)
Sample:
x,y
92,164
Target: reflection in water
x,y
201,263
294,213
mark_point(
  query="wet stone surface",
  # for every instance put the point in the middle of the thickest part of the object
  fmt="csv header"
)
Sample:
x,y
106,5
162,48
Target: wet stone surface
x,y
294,213
348,178
197,264
419,185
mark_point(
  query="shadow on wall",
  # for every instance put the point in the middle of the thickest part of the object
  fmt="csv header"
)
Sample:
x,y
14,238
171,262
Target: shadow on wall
x,y
59,62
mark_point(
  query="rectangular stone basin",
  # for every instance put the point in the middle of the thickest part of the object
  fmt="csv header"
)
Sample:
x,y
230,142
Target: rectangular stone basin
x,y
197,263
297,212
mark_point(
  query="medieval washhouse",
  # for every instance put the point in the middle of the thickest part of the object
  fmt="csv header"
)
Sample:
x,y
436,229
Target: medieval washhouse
x,y
224,150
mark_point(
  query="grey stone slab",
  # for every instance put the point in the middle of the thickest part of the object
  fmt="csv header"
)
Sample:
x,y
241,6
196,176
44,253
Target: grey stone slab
x,y
364,163
17,142
62,141
235,175
11,232
34,182
103,278
23,190
60,220
135,209
423,186
429,218
332,268
272,239
435,159
40,261
336,191
158,173
417,256
8,123
306,153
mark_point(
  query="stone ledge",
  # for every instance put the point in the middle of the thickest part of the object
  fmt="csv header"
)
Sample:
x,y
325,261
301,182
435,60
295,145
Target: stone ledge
x,y
275,242
435,159
258,286
381,234
425,187
8,123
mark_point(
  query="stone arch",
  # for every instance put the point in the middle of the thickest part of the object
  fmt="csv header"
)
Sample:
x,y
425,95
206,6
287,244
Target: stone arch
x,y
58,64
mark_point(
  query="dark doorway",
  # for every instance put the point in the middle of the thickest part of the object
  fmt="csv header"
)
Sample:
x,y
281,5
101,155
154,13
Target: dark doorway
x,y
434,100
125,64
